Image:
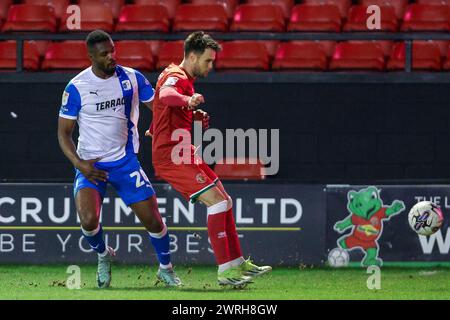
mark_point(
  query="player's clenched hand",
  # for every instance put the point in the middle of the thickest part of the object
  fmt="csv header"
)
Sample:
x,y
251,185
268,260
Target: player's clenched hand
x,y
148,134
200,115
195,100
88,169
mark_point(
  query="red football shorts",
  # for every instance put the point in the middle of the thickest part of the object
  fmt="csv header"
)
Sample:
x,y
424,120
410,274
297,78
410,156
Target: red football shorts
x,y
191,180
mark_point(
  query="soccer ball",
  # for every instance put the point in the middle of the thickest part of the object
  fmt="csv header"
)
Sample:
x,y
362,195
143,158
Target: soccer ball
x,y
425,218
338,258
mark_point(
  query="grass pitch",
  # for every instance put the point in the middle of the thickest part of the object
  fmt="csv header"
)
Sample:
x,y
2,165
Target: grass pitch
x,y
139,282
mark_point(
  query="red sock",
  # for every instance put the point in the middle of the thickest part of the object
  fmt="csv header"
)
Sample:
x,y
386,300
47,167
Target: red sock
x,y
218,236
233,239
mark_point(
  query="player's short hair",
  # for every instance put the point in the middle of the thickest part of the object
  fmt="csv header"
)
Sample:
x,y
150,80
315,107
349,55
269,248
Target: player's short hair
x,y
198,42
96,36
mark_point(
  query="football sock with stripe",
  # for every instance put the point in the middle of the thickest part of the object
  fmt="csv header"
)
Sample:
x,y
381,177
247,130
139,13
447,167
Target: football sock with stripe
x,y
161,243
232,235
217,231
95,239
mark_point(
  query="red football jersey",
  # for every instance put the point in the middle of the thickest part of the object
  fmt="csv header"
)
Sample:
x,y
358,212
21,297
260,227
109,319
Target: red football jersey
x,y
166,118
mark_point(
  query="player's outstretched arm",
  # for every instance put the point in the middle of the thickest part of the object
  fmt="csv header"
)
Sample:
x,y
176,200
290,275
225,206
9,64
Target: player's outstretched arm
x,y
172,98
65,130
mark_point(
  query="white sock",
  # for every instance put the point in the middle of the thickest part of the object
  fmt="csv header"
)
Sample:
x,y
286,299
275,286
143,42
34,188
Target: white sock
x,y
165,266
104,253
237,262
159,235
224,266
90,233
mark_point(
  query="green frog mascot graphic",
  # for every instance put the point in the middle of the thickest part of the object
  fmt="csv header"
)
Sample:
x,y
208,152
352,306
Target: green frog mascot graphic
x,y
367,213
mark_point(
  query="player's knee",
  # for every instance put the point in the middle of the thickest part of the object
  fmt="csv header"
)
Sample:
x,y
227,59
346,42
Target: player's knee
x,y
88,222
159,231
221,195
156,226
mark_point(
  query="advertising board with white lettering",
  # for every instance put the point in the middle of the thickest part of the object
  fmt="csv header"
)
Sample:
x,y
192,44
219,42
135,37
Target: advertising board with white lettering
x,y
371,223
277,224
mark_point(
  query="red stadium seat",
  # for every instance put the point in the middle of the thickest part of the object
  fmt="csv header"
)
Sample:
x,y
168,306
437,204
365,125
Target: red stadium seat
x,y
113,5
425,56
252,17
357,55
155,45
442,45
421,17
171,51
399,5
135,54
328,46
311,17
240,54
271,46
300,55
66,55
4,7
59,6
342,5
357,19
229,5
8,55
192,17
171,5
231,170
446,65
27,17
153,18
93,16
285,5
41,46
386,46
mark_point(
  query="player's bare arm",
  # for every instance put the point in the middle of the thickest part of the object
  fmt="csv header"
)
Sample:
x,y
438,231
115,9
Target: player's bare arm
x,y
149,105
65,130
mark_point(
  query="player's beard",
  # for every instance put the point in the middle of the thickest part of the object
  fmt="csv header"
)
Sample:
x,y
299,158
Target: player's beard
x,y
109,71
198,73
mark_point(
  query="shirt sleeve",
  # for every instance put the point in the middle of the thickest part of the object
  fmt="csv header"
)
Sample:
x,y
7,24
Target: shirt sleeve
x,y
174,82
172,98
71,103
146,92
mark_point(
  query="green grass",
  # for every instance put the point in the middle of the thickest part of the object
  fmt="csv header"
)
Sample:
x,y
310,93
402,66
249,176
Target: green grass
x,y
138,282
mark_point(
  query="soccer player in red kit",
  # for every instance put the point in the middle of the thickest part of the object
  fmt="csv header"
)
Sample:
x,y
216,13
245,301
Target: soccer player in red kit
x,y
175,107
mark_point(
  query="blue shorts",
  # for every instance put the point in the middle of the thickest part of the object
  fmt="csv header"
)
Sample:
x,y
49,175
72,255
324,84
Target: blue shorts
x,y
125,175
